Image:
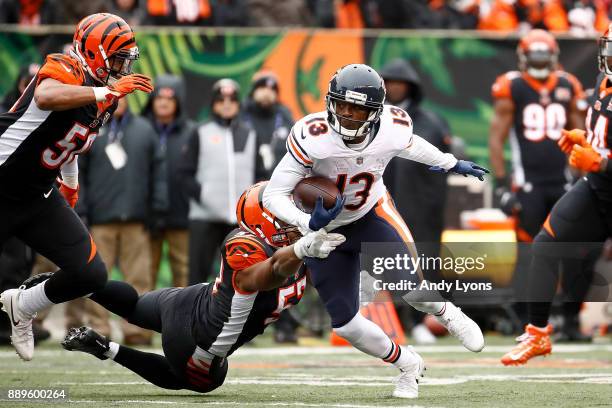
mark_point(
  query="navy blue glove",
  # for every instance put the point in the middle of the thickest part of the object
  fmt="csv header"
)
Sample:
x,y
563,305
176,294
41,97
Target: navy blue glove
x,y
467,168
320,217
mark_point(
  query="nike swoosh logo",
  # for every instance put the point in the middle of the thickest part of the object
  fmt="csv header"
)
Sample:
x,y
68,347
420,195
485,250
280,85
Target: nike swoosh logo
x,y
15,323
517,356
46,195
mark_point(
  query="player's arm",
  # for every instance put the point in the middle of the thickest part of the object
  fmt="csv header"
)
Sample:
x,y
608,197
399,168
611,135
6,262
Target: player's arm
x,y
420,150
277,195
272,272
503,117
69,182
54,95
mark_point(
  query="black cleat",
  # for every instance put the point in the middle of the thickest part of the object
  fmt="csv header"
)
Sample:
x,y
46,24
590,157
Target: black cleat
x,y
85,339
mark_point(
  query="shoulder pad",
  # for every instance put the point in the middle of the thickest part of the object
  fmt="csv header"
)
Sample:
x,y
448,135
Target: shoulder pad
x,y
501,86
310,138
62,68
242,251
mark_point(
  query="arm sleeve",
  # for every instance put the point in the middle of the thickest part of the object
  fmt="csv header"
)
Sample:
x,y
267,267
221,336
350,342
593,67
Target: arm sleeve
x,y
277,196
189,167
70,173
424,152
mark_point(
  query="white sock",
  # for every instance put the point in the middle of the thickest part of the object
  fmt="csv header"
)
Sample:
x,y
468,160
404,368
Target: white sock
x,y
113,349
368,337
34,299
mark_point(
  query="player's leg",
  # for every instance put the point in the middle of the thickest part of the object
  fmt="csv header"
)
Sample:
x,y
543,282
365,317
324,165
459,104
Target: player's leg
x,y
336,279
386,225
54,230
575,218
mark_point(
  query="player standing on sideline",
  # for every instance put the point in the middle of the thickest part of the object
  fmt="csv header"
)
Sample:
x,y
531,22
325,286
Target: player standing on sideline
x,y
352,143
532,107
583,214
262,273
56,118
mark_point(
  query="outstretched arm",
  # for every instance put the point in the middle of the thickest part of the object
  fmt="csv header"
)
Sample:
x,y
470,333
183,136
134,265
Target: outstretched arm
x,y
51,94
420,150
272,272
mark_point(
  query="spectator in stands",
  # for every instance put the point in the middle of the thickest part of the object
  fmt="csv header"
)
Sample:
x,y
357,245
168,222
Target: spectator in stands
x,y
455,14
129,10
274,13
512,15
580,18
230,13
344,13
73,11
26,73
165,111
407,179
28,12
179,12
120,178
399,14
218,164
271,120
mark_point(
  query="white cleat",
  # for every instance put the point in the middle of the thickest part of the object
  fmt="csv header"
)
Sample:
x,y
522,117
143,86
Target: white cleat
x,y
462,327
22,337
407,384
421,335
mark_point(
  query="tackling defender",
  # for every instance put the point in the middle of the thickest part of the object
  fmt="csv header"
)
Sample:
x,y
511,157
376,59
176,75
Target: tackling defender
x,y
351,143
262,273
57,118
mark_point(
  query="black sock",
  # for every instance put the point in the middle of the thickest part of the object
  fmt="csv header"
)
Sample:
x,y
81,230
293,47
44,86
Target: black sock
x,y
150,366
542,285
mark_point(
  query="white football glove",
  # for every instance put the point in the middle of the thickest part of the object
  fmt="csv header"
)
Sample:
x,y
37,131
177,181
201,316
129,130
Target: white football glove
x,y
317,244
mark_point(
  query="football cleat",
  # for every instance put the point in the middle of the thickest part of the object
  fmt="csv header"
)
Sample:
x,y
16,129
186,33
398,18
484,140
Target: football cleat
x,y
22,336
534,342
462,327
407,383
85,339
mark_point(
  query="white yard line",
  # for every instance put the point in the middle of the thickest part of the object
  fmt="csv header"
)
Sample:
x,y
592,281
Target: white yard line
x,y
237,403
300,351
377,381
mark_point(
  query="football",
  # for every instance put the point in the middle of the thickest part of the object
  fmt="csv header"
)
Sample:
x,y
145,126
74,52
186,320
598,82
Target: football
x,y
307,191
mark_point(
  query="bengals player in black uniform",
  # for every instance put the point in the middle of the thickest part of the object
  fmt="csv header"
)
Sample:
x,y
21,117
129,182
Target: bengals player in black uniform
x,y
532,107
261,274
56,118
582,215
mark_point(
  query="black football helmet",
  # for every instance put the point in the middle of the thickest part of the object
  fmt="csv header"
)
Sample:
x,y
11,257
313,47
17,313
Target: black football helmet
x,y
361,85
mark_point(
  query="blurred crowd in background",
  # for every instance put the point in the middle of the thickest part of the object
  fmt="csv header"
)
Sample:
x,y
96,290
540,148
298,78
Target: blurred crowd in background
x,y
578,17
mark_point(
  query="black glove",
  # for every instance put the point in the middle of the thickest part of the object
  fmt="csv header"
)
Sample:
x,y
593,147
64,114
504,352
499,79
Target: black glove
x,y
506,199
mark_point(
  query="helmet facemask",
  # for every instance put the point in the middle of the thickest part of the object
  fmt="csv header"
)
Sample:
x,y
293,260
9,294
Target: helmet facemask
x,y
120,63
604,55
538,61
364,126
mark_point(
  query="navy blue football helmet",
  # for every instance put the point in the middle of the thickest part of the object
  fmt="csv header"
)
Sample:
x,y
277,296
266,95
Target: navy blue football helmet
x,y
361,85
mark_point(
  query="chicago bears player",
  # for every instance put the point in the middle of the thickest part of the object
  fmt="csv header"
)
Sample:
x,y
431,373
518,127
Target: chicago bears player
x,y
262,273
352,143
583,214
56,118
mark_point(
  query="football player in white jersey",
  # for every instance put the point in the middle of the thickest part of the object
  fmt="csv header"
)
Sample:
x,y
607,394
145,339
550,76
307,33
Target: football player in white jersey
x,y
352,143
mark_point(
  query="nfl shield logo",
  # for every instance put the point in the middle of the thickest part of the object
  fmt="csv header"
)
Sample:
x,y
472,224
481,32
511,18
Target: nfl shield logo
x,y
359,161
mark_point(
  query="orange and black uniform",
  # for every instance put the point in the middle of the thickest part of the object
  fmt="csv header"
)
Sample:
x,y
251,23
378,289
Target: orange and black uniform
x,y
201,325
539,167
34,144
582,215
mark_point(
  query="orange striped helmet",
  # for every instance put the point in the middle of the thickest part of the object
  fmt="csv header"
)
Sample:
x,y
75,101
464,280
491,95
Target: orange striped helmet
x,y
105,45
253,217
538,53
